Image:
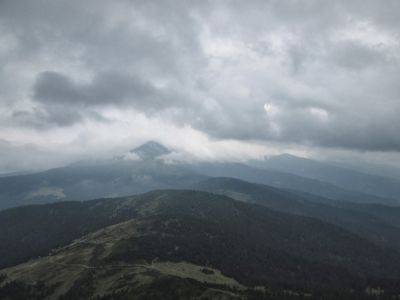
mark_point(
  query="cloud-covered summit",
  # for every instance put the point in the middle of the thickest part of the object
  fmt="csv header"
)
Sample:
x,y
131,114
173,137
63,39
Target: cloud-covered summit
x,y
306,74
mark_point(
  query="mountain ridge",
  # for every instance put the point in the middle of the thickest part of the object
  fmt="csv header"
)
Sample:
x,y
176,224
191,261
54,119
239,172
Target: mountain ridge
x,y
347,178
123,177
255,246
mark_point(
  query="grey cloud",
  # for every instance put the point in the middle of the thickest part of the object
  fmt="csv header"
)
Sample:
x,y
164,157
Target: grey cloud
x,y
152,38
54,115
55,88
356,56
64,102
329,69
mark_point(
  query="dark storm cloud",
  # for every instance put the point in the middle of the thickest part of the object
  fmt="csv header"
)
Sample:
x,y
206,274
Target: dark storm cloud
x,y
109,88
66,102
316,73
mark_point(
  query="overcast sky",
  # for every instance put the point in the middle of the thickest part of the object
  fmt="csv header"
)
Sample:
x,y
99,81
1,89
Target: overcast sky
x,y
218,79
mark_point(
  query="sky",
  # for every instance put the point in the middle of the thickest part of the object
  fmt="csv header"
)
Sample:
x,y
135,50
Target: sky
x,y
219,80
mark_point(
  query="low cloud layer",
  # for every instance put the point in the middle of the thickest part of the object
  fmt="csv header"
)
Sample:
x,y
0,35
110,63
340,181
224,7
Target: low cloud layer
x,y
306,74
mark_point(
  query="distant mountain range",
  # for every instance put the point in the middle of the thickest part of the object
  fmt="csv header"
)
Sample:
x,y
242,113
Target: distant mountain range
x,y
287,181
345,178
95,179
146,171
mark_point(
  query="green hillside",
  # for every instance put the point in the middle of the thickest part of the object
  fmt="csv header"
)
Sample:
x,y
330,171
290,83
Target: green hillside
x,y
205,243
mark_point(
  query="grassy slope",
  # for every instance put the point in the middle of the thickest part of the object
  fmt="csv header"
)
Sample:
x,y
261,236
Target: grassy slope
x,y
250,245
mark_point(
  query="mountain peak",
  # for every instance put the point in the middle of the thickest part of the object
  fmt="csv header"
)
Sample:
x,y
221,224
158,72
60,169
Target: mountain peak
x,y
150,150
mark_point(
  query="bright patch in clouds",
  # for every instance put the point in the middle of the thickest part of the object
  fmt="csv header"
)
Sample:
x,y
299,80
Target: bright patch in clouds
x,y
319,113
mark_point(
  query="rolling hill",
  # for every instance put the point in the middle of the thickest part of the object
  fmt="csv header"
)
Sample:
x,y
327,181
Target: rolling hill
x,y
378,223
202,244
